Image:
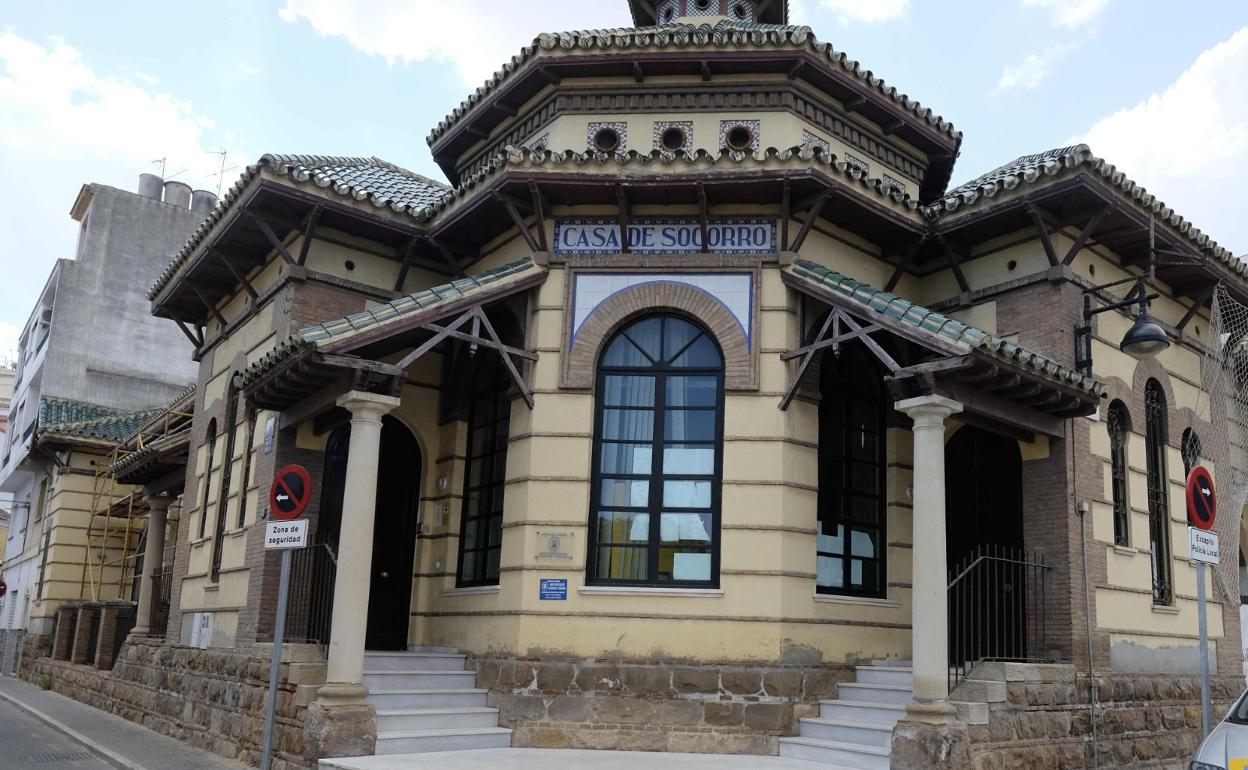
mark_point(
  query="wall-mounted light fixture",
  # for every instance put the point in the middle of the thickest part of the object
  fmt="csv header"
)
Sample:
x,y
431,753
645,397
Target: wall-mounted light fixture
x,y
1144,340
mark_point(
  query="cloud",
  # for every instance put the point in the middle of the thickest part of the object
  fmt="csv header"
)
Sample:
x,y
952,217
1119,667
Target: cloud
x,y
866,10
476,36
1070,13
1028,74
65,123
1189,143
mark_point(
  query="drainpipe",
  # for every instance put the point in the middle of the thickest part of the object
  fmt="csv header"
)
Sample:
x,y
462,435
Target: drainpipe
x,y
1081,509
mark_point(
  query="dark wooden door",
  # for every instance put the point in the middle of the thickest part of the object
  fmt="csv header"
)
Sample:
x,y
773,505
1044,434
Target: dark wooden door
x,y
394,539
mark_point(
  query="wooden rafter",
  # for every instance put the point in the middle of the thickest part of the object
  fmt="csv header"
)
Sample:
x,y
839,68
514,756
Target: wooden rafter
x,y
406,265
271,237
703,218
815,210
906,258
1199,301
510,206
211,308
786,212
196,337
234,271
1042,230
1086,233
539,213
622,214
843,328
309,229
955,262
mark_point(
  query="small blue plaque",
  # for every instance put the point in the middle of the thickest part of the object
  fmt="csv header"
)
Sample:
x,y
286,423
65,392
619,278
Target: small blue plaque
x,y
555,589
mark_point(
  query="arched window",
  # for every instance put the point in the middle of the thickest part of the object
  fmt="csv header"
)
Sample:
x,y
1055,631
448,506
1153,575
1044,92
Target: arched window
x,y
654,510
210,443
1191,450
1158,503
481,524
852,432
233,397
1118,423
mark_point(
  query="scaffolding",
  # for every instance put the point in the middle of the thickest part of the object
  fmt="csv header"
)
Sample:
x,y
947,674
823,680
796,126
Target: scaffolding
x,y
115,535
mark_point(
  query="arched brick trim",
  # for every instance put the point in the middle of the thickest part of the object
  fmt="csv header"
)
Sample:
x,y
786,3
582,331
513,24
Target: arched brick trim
x,y
581,357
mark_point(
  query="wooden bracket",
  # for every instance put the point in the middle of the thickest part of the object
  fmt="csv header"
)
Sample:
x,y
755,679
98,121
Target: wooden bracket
x,y
308,231
811,216
271,236
833,323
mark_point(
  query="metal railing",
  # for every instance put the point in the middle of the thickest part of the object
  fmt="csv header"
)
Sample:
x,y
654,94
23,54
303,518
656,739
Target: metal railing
x,y
997,609
310,606
162,595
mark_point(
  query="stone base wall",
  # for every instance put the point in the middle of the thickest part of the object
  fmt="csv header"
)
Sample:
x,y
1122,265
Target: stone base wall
x,y
1143,721
212,699
10,650
654,705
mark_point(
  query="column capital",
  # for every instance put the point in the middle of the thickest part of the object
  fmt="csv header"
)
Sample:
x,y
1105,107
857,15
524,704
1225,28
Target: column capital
x,y
367,405
928,410
157,501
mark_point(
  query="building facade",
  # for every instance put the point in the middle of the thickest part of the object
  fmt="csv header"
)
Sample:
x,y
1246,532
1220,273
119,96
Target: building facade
x,y
77,392
700,414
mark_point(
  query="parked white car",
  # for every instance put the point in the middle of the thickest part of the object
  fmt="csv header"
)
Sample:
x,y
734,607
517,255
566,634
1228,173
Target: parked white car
x,y
1226,748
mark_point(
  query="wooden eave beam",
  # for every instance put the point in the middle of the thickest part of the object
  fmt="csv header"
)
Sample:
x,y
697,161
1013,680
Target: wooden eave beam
x,y
893,128
408,249
271,237
705,70
309,229
854,104
703,218
1086,233
623,213
197,339
517,220
1198,302
639,74
786,213
955,262
208,305
907,258
539,213
238,275
809,222
796,70
1042,231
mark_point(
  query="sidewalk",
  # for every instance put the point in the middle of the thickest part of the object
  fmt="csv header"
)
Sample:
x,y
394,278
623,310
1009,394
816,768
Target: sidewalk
x,y
121,743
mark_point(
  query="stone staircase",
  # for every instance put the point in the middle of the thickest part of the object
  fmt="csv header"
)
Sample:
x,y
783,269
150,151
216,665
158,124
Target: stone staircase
x,y
855,730
426,700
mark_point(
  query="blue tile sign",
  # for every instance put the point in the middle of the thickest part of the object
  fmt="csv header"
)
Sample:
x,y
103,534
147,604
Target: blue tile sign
x,y
552,589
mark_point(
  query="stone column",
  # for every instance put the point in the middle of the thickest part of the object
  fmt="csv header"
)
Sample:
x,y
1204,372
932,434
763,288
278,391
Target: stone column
x,y
153,555
341,723
930,736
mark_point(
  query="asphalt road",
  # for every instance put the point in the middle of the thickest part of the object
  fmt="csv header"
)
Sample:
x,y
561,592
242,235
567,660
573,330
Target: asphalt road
x,y
28,744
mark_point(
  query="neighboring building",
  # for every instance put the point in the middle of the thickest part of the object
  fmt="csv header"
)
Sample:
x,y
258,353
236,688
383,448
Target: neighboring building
x,y
89,357
698,400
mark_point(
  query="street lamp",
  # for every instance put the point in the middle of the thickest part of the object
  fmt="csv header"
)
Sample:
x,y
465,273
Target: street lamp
x,y
1144,340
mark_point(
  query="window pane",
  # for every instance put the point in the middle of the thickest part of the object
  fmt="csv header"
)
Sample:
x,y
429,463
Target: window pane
x,y
684,564
685,528
690,425
687,494
862,543
865,447
864,575
492,559
468,568
692,391
470,534
633,494
623,527
627,425
623,390
645,335
693,460
830,572
677,336
472,507
621,563
474,473
866,477
866,509
627,458
831,538
702,354
495,527
623,352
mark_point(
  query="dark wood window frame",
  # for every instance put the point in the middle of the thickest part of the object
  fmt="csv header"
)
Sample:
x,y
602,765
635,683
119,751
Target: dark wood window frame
x,y
836,501
1118,425
489,413
661,371
210,443
233,397
1157,432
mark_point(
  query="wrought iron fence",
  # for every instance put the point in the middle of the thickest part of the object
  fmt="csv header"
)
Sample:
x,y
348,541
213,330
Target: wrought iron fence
x,y
162,585
997,609
310,605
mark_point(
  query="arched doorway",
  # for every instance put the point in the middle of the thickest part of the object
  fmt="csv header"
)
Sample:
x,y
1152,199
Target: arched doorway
x,y
394,528
988,599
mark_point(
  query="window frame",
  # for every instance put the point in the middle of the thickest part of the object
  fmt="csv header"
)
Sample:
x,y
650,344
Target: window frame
x,y
655,478
1118,417
1156,440
494,477
863,364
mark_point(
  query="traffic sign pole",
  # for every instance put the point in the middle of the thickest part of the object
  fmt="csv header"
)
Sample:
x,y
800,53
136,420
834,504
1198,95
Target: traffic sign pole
x,y
1204,650
279,634
1203,548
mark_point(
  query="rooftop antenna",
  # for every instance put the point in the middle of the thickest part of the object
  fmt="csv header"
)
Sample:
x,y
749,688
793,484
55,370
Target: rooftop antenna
x,y
220,175
161,161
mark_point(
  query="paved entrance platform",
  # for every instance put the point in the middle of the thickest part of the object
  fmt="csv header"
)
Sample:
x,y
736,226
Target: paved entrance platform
x,y
566,759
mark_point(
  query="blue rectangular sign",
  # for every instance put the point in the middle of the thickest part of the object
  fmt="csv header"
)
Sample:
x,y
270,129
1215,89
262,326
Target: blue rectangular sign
x,y
660,235
552,589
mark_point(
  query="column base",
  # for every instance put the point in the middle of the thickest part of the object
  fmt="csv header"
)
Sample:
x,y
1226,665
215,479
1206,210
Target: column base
x,y
942,713
339,731
924,745
341,694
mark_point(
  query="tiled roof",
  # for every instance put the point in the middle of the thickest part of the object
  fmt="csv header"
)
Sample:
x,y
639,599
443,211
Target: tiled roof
x,y
153,448
183,402
379,182
65,417
724,34
1053,164
427,299
943,327
808,156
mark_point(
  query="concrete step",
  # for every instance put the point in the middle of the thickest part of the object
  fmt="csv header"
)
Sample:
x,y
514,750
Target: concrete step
x,y
428,648
981,690
422,741
895,675
407,661
972,713
847,731
892,662
847,755
446,698
1023,672
876,693
406,720
882,713
419,680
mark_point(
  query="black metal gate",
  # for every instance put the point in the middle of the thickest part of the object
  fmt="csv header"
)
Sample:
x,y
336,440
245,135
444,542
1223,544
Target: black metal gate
x,y
310,606
997,609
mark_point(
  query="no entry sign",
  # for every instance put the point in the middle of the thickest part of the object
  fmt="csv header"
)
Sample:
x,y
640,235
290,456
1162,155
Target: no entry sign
x,y
4,589
1202,500
291,490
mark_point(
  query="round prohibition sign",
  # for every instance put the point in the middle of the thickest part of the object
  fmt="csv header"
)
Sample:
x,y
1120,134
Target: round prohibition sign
x,y
1202,499
291,490
4,589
